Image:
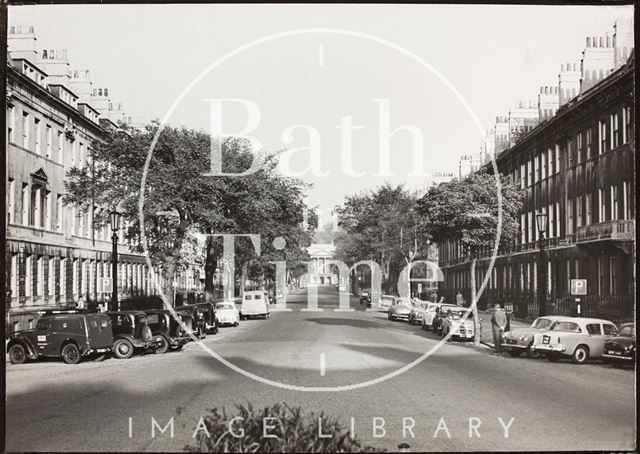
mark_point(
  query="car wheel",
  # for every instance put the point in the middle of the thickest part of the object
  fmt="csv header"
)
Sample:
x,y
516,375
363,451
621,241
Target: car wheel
x,y
163,346
122,349
553,357
71,354
236,323
17,354
515,353
580,354
177,348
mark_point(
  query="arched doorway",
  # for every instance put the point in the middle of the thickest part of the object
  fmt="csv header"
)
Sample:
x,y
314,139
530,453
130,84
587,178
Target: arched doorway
x,y
321,280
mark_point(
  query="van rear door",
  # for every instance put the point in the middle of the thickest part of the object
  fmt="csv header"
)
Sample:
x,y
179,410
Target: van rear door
x,y
100,331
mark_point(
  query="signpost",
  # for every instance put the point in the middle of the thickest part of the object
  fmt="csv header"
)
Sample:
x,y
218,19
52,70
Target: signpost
x,y
578,288
105,285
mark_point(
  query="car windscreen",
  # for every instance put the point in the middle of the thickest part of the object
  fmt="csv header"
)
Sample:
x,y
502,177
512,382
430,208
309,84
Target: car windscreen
x,y
257,297
542,323
628,331
224,306
153,318
567,326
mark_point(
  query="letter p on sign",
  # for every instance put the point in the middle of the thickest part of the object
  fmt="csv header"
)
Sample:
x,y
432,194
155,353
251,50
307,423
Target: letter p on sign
x,y
578,286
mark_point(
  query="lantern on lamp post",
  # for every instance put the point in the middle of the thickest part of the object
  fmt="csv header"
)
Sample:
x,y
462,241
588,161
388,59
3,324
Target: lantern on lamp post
x,y
114,218
541,224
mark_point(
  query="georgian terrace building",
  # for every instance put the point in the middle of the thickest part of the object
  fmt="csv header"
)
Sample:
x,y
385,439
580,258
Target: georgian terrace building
x,y
54,255
578,167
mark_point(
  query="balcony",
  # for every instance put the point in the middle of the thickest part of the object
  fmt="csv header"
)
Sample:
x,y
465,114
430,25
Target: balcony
x,y
609,230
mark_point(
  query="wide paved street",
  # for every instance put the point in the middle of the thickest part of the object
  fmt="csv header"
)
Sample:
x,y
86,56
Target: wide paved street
x,y
556,406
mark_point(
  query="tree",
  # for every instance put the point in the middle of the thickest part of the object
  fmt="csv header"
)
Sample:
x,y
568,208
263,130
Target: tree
x,y
262,203
466,211
381,225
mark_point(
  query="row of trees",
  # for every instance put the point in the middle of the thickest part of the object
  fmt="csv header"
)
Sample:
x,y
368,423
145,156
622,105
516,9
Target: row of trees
x,y
395,226
182,206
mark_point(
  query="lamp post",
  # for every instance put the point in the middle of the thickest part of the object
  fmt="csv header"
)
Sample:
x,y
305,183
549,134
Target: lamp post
x,y
114,217
541,224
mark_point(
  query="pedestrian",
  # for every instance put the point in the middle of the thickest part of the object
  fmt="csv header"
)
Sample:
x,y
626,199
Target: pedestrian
x,y
498,323
459,299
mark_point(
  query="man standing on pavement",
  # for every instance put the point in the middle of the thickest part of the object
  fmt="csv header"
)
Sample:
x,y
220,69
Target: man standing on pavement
x,y
498,323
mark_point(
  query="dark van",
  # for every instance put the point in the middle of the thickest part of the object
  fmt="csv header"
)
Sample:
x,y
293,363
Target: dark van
x,y
67,334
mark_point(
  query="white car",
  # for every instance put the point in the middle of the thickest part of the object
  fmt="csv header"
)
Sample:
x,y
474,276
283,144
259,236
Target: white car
x,y
385,302
255,304
429,315
576,337
227,314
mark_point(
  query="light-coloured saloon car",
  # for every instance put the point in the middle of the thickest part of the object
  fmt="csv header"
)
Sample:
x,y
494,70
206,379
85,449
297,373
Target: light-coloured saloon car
x,y
520,340
385,302
227,314
576,337
429,314
400,309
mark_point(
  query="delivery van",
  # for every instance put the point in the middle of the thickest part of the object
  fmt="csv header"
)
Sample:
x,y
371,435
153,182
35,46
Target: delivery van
x,y
255,304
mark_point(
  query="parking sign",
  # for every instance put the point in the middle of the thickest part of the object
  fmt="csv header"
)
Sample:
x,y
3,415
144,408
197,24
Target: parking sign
x,y
578,286
105,284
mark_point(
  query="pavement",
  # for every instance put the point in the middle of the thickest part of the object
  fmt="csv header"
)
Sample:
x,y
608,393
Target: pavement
x,y
112,405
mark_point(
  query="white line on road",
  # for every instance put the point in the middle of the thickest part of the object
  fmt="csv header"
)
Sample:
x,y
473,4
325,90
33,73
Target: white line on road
x,y
322,365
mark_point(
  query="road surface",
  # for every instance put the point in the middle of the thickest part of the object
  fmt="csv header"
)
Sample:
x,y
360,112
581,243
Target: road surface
x,y
557,406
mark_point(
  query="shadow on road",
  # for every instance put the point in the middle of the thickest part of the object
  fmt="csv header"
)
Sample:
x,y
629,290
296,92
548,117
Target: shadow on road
x,y
353,322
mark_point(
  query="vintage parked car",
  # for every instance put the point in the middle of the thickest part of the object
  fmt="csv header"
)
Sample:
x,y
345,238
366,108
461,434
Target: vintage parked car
x,y
430,313
440,313
204,318
621,350
385,302
227,314
168,331
418,311
365,298
520,340
454,322
399,309
68,334
579,338
131,333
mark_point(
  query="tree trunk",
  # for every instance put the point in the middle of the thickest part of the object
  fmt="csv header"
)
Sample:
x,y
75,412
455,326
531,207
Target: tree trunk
x,y
210,266
474,305
243,278
168,274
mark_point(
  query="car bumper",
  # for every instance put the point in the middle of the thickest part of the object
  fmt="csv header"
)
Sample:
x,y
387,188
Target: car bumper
x,y
513,347
549,348
618,357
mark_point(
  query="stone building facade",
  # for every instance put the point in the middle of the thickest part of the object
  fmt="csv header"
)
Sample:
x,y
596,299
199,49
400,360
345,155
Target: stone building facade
x,y
577,166
54,254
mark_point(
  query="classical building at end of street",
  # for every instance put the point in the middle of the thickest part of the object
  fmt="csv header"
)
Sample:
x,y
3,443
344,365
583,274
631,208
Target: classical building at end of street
x,y
577,168
55,256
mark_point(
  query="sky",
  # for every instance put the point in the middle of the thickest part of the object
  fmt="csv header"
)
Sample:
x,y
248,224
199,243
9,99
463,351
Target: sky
x,y
438,73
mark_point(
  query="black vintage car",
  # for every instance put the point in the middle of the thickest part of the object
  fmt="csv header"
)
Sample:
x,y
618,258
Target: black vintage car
x,y
170,334
204,318
68,334
131,333
621,350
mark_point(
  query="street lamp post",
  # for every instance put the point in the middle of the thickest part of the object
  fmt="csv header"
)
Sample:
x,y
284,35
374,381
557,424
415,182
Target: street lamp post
x,y
115,226
541,223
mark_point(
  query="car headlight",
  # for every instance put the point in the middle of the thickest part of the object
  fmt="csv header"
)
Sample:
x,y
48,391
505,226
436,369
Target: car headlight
x,y
522,338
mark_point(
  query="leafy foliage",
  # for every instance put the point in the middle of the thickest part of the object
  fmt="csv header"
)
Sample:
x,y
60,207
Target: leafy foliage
x,y
294,431
263,203
467,211
381,225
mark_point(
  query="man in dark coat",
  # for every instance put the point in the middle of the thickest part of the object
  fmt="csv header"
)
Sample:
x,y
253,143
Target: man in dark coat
x,y
498,323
